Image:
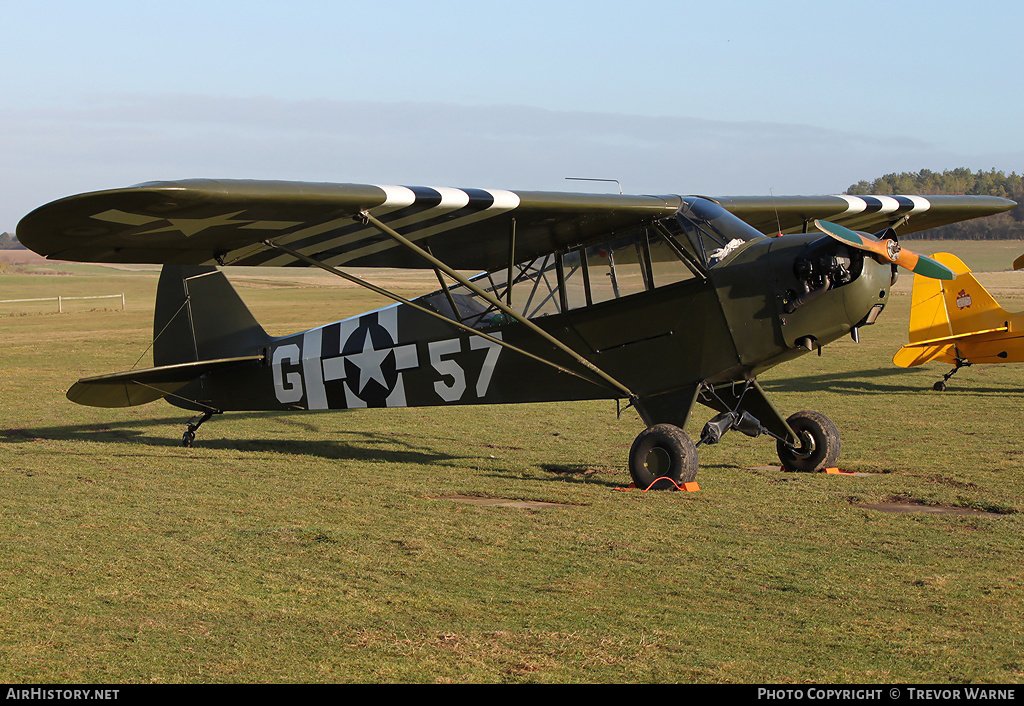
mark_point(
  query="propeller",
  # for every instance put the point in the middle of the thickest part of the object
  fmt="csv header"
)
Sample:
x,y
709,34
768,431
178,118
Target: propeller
x,y
886,251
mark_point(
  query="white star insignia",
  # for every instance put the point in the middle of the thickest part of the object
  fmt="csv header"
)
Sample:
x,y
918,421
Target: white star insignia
x,y
369,362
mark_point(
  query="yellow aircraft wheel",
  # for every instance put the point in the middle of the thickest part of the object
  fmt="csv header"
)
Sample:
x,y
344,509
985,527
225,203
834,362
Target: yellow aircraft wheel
x,y
662,457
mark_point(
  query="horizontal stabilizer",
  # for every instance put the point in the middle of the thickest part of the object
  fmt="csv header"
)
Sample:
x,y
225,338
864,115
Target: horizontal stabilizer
x,y
910,355
135,387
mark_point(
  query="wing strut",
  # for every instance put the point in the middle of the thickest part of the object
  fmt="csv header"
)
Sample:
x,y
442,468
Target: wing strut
x,y
367,217
398,298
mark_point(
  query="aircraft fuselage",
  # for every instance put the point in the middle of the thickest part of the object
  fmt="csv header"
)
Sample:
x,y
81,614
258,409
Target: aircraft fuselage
x,y
660,343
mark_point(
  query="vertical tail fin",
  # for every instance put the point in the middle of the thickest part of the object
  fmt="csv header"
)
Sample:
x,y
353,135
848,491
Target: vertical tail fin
x,y
199,316
942,311
969,307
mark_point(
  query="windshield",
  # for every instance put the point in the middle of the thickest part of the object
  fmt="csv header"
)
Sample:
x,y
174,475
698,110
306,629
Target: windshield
x,y
712,232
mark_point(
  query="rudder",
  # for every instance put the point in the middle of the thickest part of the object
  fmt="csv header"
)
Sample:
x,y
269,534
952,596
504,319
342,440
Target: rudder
x,y
969,306
199,316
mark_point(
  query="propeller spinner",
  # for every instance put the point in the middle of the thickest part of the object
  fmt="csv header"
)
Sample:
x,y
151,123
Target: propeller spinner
x,y
886,251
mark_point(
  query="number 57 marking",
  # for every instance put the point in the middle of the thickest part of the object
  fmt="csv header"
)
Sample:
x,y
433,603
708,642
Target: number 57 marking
x,y
454,390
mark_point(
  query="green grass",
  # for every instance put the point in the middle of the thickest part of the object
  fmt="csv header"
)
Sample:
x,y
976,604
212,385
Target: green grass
x,y
321,547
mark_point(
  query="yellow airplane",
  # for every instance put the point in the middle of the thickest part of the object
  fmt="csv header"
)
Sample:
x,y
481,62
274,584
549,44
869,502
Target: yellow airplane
x,y
957,321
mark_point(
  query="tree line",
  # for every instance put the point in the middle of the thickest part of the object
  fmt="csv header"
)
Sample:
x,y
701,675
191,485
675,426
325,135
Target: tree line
x,y
1002,226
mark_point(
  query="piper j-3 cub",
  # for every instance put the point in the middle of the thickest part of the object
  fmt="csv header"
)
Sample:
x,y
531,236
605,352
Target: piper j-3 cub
x,y
662,301
959,322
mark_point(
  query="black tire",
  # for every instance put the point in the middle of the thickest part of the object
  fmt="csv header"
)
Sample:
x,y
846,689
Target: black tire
x,y
662,451
819,443
940,386
188,438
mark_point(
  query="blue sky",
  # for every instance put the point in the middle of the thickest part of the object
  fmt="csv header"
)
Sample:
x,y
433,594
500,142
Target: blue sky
x,y
733,97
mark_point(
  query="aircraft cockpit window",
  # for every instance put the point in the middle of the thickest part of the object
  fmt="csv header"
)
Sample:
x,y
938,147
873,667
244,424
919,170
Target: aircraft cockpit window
x,y
535,292
711,232
633,263
617,269
640,260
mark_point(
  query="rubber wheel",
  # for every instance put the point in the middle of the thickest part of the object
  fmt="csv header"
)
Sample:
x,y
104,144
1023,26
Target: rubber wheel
x,y
819,443
188,438
662,451
940,386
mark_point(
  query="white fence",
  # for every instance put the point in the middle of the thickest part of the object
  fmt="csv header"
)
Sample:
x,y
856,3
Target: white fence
x,y
60,300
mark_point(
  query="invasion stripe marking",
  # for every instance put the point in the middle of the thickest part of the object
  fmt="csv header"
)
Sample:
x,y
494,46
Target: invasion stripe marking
x,y
883,204
474,201
868,209
921,204
853,205
397,196
872,204
504,201
396,199
448,209
406,206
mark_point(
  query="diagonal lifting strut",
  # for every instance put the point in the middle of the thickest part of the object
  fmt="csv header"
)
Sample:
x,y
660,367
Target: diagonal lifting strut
x,y
608,380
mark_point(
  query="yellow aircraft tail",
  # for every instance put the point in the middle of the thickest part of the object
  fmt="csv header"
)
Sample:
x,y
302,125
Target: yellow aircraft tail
x,y
942,312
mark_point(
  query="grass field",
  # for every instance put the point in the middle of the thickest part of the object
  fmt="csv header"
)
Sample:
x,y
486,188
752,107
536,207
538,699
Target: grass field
x,y
327,547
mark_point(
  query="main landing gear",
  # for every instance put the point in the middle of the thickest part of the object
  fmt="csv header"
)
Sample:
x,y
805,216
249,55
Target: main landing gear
x,y
662,453
663,456
819,443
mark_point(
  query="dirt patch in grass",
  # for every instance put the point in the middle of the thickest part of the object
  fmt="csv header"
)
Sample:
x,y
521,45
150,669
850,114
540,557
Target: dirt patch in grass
x,y
904,504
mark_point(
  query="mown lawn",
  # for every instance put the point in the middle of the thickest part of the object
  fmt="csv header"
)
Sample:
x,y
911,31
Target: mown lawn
x,y
326,547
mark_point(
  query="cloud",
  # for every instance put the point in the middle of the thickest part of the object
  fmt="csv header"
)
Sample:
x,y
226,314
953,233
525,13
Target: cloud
x,y
112,141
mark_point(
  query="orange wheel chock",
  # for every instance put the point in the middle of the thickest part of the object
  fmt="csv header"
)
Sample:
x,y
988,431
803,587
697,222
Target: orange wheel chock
x,y
689,487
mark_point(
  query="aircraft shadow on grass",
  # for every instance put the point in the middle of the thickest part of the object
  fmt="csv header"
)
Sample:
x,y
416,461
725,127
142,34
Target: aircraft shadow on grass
x,y
346,446
870,382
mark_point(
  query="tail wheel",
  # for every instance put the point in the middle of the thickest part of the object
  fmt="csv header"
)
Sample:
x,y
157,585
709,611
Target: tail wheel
x,y
818,440
662,451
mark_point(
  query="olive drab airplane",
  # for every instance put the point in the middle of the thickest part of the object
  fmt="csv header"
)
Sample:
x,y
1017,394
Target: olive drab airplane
x,y
959,322
661,301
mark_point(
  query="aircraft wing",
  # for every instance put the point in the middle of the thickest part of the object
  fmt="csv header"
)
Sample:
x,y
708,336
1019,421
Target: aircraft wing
x,y
225,222
794,214
204,222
